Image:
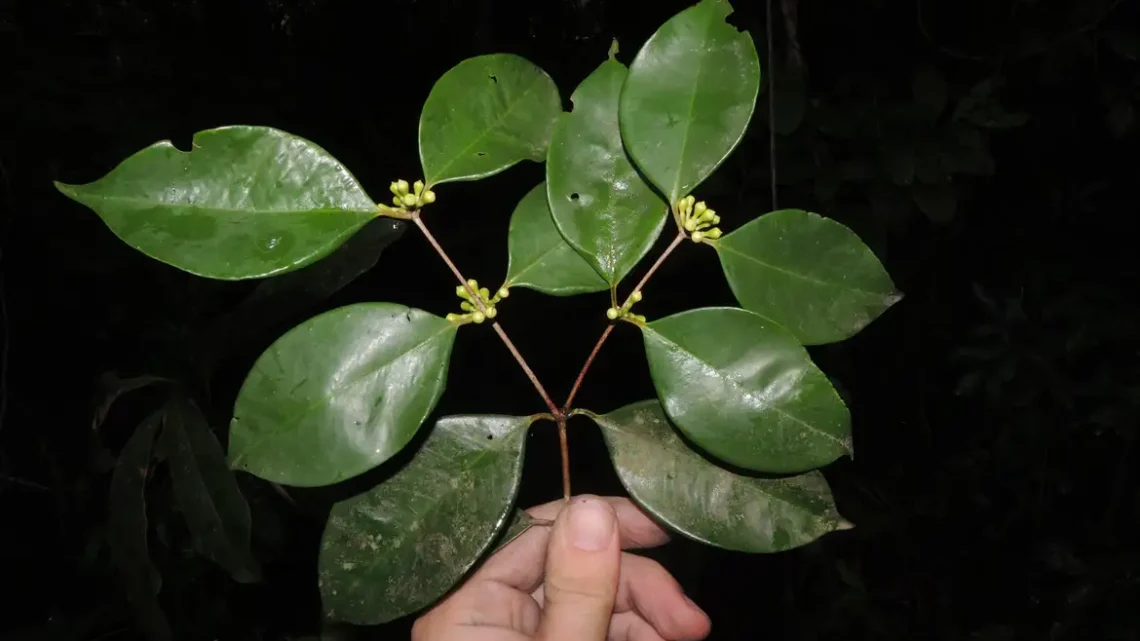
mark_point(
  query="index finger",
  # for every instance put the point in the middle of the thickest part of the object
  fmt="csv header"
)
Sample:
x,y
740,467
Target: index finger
x,y
522,562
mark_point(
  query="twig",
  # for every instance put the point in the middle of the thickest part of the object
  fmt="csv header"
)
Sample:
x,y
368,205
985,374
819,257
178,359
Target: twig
x,y
483,308
564,448
681,235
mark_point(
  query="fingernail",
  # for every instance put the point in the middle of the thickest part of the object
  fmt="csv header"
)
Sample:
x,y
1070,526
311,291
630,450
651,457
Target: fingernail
x,y
591,525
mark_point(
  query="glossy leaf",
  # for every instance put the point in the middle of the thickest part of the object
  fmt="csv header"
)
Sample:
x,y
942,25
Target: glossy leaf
x,y
599,201
484,115
689,96
808,273
705,502
127,529
743,389
400,546
340,393
244,202
206,490
540,258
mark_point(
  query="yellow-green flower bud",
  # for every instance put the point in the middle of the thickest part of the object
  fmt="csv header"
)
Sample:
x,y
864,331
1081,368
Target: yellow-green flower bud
x,y
698,236
467,307
713,233
700,208
461,292
451,318
485,293
715,220
635,296
473,284
504,292
492,312
638,317
418,187
395,188
409,200
398,202
690,224
612,313
428,197
402,186
478,317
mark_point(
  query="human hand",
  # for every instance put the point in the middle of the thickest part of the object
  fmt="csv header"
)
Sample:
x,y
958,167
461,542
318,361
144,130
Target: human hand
x,y
571,582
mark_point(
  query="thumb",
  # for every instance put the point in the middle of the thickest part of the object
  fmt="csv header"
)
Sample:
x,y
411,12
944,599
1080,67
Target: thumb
x,y
583,563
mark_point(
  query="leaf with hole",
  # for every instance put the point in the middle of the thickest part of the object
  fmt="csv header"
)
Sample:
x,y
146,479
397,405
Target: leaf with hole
x,y
206,490
244,202
540,258
484,115
707,503
689,96
127,529
340,393
808,273
400,546
599,201
744,390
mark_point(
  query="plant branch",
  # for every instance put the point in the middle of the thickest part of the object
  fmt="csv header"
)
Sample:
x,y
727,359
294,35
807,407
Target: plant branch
x,y
564,448
681,235
483,308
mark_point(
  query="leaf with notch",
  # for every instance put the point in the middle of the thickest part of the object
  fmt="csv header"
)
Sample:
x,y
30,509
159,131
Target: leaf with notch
x,y
403,544
689,97
340,393
808,273
744,390
127,529
484,115
707,503
599,201
207,492
540,258
244,202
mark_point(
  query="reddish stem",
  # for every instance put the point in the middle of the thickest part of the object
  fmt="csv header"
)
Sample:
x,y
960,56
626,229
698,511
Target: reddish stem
x,y
483,308
564,448
681,235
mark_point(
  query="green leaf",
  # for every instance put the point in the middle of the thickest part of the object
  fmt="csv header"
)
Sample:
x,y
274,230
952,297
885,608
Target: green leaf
x,y
707,503
400,546
244,202
689,96
484,115
520,522
216,513
540,258
938,202
340,393
599,201
742,388
808,273
127,529
930,93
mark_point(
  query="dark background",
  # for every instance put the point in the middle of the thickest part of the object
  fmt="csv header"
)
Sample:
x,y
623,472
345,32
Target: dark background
x,y
994,489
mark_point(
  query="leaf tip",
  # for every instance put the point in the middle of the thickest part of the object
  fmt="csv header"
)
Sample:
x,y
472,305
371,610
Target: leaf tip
x,y
892,298
842,524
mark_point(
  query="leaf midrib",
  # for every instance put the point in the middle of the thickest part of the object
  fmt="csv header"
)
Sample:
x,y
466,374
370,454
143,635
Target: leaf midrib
x,y
726,247
498,121
689,120
226,210
325,398
736,384
736,479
